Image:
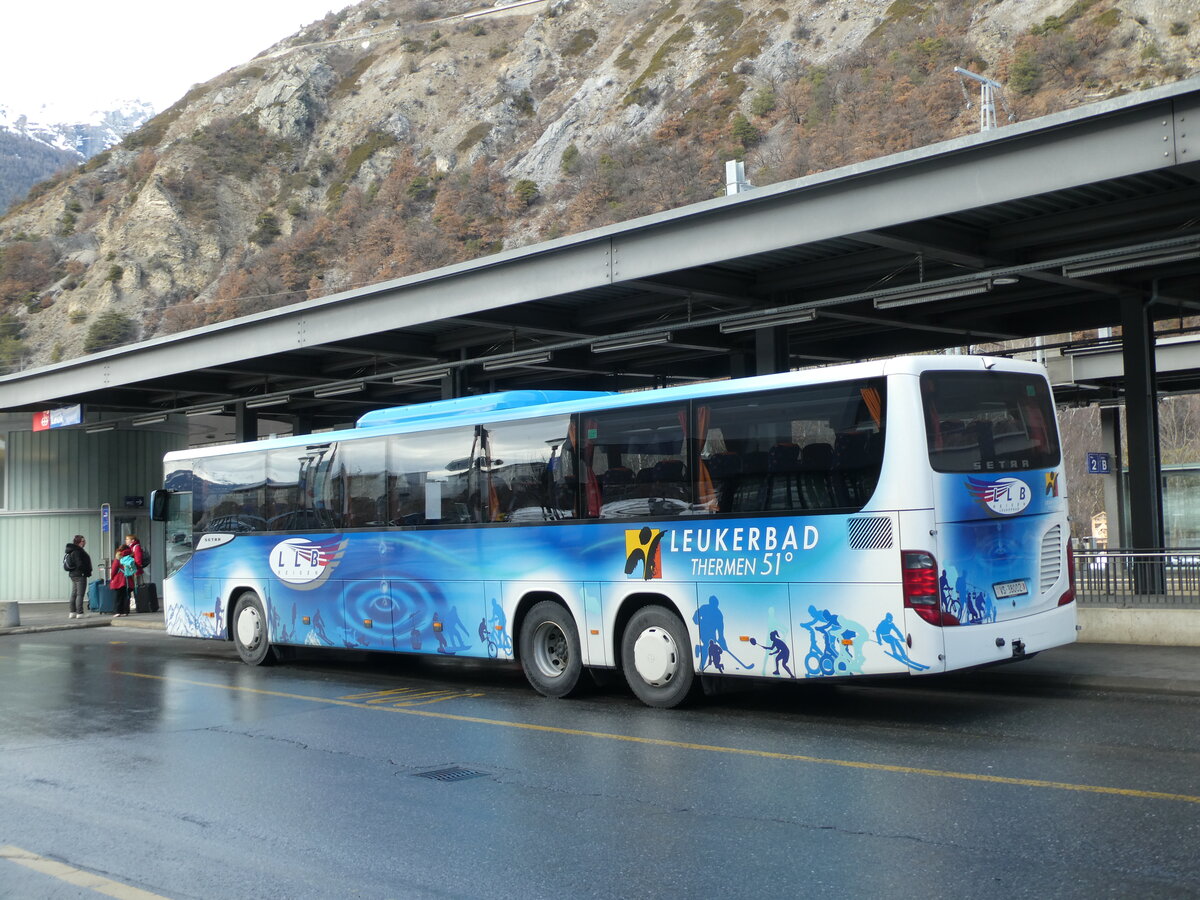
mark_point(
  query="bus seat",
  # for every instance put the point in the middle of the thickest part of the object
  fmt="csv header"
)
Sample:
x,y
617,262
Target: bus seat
x,y
747,496
725,470
670,479
782,489
816,465
850,467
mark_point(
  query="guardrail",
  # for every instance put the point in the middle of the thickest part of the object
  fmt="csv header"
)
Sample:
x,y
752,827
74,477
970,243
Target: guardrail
x,y
1151,579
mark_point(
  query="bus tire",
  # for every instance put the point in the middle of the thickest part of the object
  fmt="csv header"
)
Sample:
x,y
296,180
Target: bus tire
x,y
250,631
655,657
550,653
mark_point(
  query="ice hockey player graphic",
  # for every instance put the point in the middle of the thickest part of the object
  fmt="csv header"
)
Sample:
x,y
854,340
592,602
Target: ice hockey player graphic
x,y
712,631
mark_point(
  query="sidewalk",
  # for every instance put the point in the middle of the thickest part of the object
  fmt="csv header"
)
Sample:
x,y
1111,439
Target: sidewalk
x,y
37,617
1086,667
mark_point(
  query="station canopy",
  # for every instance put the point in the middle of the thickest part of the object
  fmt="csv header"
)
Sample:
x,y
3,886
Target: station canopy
x,y
1049,226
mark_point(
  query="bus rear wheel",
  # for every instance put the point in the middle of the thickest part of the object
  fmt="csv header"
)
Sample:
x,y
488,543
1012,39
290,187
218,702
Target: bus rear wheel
x,y
654,658
250,631
550,653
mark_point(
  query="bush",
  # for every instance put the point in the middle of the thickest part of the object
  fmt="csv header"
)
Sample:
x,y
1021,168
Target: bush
x,y
569,162
744,132
111,329
1024,75
526,192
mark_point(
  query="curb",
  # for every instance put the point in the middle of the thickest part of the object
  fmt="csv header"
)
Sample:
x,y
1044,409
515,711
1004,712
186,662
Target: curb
x,y
99,623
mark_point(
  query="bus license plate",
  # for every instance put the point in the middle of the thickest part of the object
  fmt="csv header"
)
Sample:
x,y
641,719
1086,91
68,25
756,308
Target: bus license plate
x,y
1006,589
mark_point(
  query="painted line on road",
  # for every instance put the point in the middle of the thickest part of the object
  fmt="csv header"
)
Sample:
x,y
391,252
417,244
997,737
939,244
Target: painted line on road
x,y
74,876
707,748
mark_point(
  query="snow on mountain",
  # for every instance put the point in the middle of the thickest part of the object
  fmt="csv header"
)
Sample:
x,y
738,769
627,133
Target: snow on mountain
x,y
75,131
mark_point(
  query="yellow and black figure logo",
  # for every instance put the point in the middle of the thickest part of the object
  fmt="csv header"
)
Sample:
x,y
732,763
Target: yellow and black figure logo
x,y
645,547
1051,484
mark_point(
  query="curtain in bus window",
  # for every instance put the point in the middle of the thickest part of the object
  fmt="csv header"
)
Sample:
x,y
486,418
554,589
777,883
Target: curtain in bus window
x,y
431,475
587,462
639,460
706,499
230,493
520,473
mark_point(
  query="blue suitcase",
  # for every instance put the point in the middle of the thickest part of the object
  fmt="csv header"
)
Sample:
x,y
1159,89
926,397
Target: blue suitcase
x,y
101,598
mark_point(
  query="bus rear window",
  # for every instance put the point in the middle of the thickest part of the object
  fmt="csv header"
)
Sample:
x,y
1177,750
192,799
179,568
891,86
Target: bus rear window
x,y
988,422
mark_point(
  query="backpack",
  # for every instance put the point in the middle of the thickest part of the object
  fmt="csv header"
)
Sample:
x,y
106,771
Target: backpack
x,y
128,565
69,561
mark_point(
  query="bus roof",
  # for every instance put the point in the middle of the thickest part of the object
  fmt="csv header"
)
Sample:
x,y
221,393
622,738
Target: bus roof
x,y
507,406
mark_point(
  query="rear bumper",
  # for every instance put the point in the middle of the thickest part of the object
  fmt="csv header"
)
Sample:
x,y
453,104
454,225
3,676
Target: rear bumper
x,y
975,645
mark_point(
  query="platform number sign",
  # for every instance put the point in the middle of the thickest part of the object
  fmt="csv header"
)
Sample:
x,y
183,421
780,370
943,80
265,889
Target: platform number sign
x,y
105,518
1099,463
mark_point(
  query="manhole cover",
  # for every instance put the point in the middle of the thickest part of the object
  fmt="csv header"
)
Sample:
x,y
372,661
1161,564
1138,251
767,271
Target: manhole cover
x,y
454,773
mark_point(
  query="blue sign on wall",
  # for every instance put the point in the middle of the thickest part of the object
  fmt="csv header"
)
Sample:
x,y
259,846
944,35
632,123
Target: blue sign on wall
x,y
104,518
1099,463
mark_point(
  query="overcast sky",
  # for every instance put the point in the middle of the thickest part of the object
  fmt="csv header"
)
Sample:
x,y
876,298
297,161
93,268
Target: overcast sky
x,y
79,55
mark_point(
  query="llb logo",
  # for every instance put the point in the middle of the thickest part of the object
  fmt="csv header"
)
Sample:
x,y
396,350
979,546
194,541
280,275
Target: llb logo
x,y
643,549
303,563
1004,497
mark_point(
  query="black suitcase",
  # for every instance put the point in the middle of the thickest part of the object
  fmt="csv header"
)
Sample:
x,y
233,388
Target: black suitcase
x,y
146,597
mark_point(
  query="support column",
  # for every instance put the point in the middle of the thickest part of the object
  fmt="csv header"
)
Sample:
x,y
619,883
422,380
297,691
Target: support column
x,y
771,350
1141,414
245,423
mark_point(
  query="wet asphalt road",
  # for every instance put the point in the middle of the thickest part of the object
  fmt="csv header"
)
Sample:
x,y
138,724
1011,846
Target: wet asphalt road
x,y
156,764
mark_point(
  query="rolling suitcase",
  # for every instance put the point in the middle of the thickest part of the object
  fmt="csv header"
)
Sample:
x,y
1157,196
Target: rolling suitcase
x,y
101,598
146,597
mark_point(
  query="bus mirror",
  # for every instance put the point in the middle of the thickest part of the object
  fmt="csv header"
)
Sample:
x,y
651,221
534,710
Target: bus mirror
x,y
158,505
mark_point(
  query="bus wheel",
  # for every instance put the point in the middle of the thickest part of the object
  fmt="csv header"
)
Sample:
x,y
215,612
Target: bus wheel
x,y
550,652
250,631
654,657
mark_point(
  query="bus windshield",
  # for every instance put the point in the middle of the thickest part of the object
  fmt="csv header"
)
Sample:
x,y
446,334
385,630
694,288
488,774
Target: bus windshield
x,y
988,422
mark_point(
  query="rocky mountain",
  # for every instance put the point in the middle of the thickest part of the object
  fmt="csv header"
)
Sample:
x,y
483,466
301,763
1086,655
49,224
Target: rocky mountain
x,y
400,135
34,146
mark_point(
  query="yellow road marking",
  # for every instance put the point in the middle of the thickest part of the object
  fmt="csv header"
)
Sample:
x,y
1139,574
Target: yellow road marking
x,y
707,748
74,876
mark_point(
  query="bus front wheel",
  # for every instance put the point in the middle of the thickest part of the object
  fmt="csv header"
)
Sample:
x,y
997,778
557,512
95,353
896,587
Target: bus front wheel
x,y
655,657
550,652
250,631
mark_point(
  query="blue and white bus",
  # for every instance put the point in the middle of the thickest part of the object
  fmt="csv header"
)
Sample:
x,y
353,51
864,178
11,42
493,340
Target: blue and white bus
x,y
897,516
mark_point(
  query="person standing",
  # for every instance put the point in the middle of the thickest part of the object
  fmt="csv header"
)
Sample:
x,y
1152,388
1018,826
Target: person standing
x,y
120,578
139,554
78,564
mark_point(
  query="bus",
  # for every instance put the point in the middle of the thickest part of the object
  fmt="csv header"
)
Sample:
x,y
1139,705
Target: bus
x,y
900,516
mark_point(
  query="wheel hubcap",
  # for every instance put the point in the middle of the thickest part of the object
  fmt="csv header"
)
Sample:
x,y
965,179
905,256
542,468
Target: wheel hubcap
x,y
655,656
249,628
551,653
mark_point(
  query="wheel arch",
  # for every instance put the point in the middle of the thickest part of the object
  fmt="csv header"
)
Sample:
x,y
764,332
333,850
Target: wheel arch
x,y
629,606
236,594
527,602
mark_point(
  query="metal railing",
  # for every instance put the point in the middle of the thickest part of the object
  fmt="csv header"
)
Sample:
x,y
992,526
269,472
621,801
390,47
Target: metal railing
x,y
1151,579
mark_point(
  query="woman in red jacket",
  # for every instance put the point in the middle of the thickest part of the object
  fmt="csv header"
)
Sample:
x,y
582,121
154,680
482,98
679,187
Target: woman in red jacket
x,y
119,581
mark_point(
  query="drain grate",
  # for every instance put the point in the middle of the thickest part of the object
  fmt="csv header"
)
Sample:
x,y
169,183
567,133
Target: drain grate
x,y
454,773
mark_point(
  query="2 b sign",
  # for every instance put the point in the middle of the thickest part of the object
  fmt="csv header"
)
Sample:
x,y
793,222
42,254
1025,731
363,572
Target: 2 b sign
x,y
1099,463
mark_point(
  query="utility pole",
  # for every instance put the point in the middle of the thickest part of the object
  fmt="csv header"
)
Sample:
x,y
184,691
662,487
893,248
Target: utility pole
x,y
987,99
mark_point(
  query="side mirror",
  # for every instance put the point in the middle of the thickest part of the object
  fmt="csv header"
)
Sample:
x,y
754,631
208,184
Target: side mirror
x,y
158,505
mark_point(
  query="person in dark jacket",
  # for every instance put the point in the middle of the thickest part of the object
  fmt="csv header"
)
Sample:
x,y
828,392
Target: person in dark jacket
x,y
79,566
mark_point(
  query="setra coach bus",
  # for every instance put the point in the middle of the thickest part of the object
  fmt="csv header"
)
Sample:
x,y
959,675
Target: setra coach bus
x,y
898,516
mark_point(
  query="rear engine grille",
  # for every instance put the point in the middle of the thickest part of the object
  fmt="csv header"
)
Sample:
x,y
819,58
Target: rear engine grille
x,y
1051,565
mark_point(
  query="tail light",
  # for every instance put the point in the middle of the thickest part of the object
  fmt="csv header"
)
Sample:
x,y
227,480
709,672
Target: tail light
x,y
922,592
1069,595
